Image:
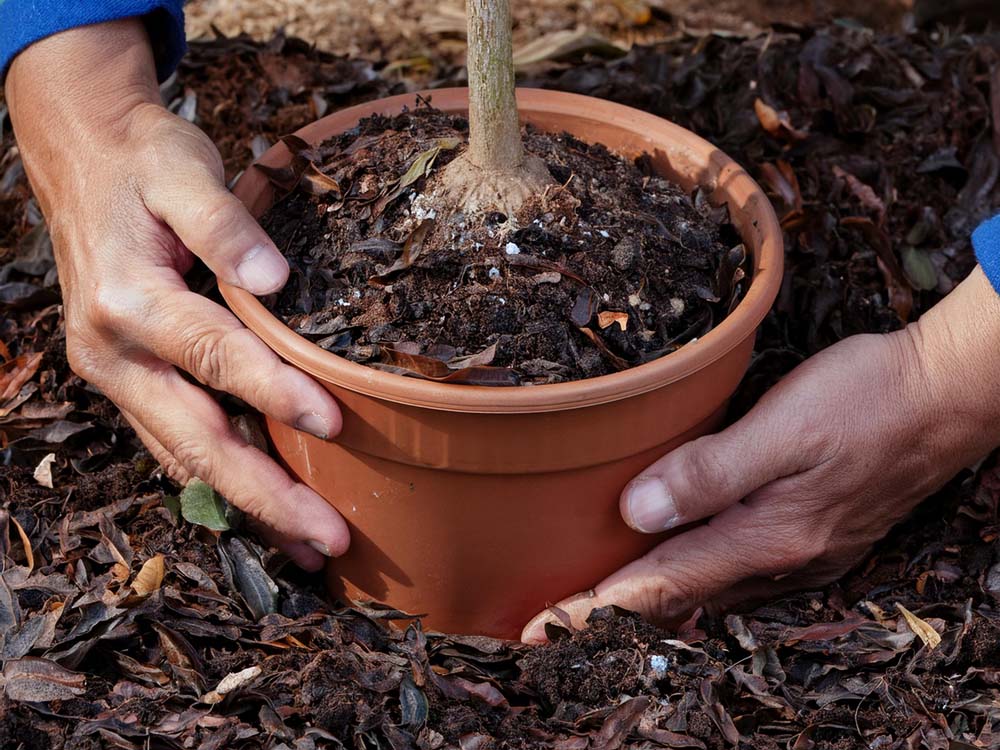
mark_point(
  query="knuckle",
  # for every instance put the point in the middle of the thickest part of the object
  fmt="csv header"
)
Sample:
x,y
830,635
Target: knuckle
x,y
114,307
216,217
205,358
195,457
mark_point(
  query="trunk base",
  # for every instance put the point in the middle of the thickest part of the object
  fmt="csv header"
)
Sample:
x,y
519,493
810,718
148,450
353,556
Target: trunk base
x,y
464,186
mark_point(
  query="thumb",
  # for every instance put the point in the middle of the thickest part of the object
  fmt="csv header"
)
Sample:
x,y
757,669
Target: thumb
x,y
190,197
708,475
714,563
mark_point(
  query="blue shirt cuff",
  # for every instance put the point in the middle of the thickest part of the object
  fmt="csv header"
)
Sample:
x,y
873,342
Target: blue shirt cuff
x,y
986,241
23,22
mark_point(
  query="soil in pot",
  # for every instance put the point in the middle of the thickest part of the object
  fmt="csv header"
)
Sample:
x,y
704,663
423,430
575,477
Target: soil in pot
x,y
608,268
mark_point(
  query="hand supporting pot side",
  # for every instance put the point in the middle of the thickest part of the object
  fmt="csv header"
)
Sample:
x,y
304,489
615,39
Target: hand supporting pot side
x,y
828,461
132,194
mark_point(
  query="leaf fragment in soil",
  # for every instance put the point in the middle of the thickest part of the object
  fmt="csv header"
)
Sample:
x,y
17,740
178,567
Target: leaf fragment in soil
x,y
421,167
412,249
584,307
608,318
392,358
203,506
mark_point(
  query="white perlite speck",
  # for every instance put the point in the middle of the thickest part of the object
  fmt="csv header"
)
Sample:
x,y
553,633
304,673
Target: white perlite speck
x,y
512,249
494,273
659,665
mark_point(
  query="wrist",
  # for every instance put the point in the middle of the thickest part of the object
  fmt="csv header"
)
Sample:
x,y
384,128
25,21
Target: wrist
x,y
954,362
73,99
76,90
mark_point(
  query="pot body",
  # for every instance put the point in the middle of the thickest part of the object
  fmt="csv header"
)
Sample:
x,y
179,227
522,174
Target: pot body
x,y
479,507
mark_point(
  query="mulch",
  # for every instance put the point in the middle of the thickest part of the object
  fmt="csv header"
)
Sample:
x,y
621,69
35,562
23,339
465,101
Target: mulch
x,y
124,625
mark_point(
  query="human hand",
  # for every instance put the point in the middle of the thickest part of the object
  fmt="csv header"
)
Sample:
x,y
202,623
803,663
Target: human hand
x,y
827,462
132,194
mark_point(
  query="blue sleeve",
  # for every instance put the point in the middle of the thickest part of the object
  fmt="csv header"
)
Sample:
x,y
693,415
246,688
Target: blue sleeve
x,y
986,241
23,22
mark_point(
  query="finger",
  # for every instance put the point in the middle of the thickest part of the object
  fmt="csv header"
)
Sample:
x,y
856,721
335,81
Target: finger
x,y
710,474
743,543
300,553
213,223
193,333
196,433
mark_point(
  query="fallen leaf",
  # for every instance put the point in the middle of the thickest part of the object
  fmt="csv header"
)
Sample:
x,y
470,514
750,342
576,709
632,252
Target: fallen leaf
x,y
559,45
16,372
922,629
43,472
318,183
150,576
37,680
25,541
231,683
412,249
919,269
203,506
777,124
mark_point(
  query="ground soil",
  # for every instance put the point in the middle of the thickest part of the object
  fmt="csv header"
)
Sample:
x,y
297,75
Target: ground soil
x,y
608,268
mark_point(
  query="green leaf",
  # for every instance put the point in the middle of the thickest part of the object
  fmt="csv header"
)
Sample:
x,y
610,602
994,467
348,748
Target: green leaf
x,y
202,505
173,504
919,269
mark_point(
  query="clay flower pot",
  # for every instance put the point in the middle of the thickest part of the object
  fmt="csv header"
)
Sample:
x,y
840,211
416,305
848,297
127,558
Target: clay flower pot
x,y
480,506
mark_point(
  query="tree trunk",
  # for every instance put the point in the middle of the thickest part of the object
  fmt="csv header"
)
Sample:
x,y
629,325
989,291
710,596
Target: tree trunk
x,y
494,129
494,173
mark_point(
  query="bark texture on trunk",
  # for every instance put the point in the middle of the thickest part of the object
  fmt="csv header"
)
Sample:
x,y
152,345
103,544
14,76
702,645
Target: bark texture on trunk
x,y
494,129
494,173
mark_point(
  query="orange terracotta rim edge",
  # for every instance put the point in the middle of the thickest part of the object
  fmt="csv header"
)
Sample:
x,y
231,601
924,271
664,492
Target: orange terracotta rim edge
x,y
718,342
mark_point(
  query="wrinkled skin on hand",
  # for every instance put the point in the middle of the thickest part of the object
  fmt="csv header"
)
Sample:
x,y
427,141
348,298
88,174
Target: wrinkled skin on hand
x,y
132,195
798,491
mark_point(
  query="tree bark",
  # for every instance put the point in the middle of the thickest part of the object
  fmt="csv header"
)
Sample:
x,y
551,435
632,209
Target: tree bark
x,y
494,129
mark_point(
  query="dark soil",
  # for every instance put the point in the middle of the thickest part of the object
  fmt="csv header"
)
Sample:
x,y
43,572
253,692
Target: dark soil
x,y
87,664
611,267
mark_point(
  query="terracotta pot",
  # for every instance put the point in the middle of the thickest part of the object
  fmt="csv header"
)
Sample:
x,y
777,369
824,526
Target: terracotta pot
x,y
479,506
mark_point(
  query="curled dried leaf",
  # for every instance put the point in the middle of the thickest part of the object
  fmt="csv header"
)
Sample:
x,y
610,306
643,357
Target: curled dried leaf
x,y
150,576
608,318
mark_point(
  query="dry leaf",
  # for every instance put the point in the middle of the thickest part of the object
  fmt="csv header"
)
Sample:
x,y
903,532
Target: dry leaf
x,y
150,576
231,683
16,372
608,318
777,123
25,542
43,472
923,630
559,45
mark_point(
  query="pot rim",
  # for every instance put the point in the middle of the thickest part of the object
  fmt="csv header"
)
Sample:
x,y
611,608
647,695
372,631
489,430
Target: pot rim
x,y
735,328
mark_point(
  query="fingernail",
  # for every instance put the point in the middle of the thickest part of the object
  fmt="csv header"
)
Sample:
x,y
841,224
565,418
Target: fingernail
x,y
263,270
314,424
323,549
650,507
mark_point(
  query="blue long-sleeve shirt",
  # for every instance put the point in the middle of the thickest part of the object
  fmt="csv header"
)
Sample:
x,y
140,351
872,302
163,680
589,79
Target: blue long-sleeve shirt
x,y
23,22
